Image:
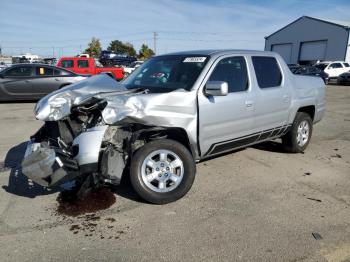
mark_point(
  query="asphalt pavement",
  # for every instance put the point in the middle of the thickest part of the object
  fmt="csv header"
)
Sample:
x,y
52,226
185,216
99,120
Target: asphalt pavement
x,y
257,204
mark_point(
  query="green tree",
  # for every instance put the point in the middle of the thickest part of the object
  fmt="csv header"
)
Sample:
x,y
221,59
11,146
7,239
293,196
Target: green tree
x,y
94,47
145,52
119,47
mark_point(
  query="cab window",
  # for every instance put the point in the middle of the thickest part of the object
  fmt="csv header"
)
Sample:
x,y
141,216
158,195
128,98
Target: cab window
x,y
43,71
83,63
19,71
233,71
67,63
267,71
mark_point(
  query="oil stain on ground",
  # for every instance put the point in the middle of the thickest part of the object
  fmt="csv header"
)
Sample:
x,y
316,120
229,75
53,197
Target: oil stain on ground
x,y
97,200
84,214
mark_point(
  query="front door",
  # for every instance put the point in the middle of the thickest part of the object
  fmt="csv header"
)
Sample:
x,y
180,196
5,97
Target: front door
x,y
225,122
334,69
17,81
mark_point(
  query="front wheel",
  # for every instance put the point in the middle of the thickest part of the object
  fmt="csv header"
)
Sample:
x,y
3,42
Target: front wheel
x,y
298,138
162,171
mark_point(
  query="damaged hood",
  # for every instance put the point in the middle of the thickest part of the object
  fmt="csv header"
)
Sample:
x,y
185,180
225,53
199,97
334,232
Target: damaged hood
x,y
63,99
176,108
173,108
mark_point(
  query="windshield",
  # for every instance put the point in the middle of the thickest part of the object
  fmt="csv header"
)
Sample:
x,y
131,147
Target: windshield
x,y
167,73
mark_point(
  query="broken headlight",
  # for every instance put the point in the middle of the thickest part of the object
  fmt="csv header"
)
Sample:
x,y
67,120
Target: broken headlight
x,y
53,109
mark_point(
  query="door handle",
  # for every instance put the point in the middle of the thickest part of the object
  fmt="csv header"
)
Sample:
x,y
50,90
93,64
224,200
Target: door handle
x,y
248,103
57,79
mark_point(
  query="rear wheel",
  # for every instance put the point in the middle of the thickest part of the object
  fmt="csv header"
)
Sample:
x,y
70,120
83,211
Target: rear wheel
x,y
162,171
298,138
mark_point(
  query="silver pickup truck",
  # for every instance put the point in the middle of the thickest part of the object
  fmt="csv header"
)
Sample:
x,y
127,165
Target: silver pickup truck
x,y
173,111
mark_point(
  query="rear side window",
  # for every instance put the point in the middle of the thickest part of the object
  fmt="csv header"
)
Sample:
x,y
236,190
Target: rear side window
x,y
19,71
267,71
336,65
60,72
83,63
346,65
43,71
232,70
67,63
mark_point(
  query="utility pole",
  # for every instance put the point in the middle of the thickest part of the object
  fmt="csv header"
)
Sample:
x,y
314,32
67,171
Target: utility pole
x,y
155,35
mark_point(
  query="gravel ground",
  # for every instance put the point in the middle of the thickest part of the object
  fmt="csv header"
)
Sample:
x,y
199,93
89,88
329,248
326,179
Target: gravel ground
x,y
257,204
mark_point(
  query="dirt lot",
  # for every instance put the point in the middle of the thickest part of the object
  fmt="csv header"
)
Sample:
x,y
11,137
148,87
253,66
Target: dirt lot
x,y
258,204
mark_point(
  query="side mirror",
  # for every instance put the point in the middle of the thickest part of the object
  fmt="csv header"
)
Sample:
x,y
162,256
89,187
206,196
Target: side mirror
x,y
216,88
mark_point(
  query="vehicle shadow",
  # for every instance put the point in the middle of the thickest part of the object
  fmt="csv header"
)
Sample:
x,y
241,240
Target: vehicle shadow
x,y
126,190
18,183
271,146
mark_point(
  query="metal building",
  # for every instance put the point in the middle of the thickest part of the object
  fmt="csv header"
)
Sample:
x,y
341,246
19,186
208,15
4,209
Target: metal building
x,y
308,39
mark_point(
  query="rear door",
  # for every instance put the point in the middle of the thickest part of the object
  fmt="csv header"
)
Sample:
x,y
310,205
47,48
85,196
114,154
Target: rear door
x,y
273,97
225,122
83,66
44,81
16,81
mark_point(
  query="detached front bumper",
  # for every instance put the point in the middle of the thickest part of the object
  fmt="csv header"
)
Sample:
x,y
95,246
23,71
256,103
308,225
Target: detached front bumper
x,y
47,167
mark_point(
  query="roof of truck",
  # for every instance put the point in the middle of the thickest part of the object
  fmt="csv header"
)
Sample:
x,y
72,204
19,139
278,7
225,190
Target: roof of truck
x,y
218,52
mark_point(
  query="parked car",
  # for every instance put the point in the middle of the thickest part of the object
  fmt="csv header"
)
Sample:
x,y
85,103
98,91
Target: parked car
x,y
343,79
312,71
130,68
173,111
293,67
50,61
2,66
33,81
88,65
333,69
108,58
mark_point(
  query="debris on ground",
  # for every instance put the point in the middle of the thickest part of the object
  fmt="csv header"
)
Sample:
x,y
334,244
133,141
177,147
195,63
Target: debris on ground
x,y
317,236
307,173
314,199
336,156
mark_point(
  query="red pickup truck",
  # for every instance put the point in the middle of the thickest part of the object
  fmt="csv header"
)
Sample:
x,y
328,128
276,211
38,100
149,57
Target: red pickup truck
x,y
86,65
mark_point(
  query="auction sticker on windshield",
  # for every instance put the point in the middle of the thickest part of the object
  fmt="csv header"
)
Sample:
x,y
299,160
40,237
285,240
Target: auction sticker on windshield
x,y
196,59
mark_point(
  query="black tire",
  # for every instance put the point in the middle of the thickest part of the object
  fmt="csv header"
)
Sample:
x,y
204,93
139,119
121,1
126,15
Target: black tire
x,y
290,139
178,192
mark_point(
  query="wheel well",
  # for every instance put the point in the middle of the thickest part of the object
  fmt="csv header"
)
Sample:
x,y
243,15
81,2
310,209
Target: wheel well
x,y
174,133
63,85
310,110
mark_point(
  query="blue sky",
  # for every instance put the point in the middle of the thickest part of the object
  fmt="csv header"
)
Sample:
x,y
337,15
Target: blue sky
x,y
66,26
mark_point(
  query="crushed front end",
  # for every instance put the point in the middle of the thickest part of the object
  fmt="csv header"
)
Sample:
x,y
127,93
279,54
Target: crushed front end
x,y
67,149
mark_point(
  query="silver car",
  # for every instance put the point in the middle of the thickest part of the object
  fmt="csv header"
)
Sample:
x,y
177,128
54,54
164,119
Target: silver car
x,y
172,112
